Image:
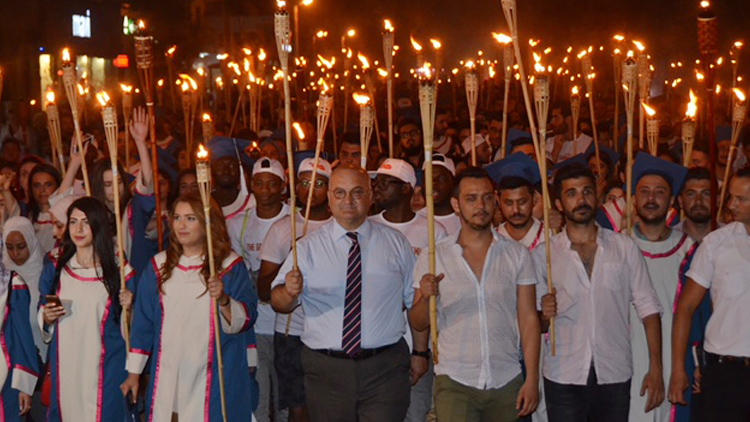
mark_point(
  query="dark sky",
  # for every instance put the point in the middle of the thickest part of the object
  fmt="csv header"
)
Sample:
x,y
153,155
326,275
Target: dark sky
x,y
666,25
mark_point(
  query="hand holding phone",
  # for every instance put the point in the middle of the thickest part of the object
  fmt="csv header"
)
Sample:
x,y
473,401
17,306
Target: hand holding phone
x,y
53,309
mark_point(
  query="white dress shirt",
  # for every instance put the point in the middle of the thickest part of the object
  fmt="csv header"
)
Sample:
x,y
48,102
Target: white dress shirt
x,y
387,269
533,237
593,315
478,319
722,264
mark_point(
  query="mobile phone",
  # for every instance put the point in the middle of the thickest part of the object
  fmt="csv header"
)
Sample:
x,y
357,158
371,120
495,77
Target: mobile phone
x,y
53,300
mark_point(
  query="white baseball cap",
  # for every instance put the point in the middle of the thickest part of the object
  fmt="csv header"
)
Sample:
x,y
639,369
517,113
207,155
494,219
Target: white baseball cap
x,y
399,169
323,169
442,160
269,165
466,145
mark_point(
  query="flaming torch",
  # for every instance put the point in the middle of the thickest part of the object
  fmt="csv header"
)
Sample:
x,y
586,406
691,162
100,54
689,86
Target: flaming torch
x,y
708,44
366,118
589,75
69,81
203,172
207,126
53,126
629,84
427,109
739,112
575,108
652,129
505,41
388,59
127,110
688,130
325,104
472,97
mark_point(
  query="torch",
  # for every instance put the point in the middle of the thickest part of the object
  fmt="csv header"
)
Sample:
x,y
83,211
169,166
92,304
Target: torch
x,y
366,71
144,57
69,78
541,101
325,103
575,108
366,117
505,41
652,129
207,126
688,130
738,119
109,117
472,97
127,109
169,54
589,75
629,84
427,109
617,73
388,59
53,126
283,46
708,41
203,171
644,84
417,50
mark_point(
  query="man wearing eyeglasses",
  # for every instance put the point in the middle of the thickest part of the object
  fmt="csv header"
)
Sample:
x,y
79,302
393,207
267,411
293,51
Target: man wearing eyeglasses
x,y
287,344
353,280
410,140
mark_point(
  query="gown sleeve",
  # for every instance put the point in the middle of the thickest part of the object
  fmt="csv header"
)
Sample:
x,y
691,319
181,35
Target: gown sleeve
x,y
23,353
46,286
144,324
243,298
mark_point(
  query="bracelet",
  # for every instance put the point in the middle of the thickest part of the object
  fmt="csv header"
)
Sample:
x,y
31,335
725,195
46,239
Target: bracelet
x,y
425,354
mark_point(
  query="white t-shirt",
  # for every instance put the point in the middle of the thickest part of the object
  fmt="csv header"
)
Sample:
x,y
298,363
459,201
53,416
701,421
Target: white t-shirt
x,y
247,232
276,247
451,222
415,230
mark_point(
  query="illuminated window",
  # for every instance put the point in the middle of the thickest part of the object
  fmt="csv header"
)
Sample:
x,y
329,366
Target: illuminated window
x,y
82,25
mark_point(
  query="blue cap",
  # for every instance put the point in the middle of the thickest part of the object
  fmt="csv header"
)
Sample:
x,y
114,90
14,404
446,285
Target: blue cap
x,y
576,159
221,147
517,165
647,164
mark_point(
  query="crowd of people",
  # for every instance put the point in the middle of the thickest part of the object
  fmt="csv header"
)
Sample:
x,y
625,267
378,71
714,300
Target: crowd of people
x,y
643,321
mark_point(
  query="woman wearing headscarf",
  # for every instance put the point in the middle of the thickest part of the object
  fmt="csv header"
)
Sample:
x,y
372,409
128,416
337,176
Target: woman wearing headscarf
x,y
23,254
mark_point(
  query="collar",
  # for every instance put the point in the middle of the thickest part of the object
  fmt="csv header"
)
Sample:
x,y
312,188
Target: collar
x,y
364,230
456,247
601,237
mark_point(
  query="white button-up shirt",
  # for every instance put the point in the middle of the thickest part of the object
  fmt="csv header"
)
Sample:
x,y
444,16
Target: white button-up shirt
x,y
722,264
593,315
387,271
478,319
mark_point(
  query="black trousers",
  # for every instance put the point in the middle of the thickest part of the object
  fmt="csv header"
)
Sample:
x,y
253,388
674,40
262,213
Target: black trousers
x,y
726,392
375,389
587,403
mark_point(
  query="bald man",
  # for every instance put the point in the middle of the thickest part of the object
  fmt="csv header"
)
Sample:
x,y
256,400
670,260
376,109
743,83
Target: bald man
x,y
353,279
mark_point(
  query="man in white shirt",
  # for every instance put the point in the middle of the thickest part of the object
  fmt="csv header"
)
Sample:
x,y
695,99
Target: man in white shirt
x,y
247,232
667,253
443,173
486,308
695,200
357,281
720,265
274,250
515,178
597,274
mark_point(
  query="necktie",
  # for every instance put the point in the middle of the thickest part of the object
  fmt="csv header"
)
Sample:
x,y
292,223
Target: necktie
x,y
351,341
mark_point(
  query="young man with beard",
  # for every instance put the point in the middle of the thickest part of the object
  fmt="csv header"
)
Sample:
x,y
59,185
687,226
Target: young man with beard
x,y
410,141
667,253
597,275
273,252
720,265
695,200
515,178
393,188
443,175
247,232
486,308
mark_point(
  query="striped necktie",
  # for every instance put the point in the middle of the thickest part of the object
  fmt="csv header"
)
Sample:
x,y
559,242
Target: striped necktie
x,y
351,340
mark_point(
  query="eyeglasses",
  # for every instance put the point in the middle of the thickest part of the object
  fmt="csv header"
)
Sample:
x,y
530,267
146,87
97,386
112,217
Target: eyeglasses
x,y
410,134
356,193
319,184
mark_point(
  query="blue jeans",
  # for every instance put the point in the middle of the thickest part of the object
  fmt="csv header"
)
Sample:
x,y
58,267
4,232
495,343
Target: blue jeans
x,y
587,403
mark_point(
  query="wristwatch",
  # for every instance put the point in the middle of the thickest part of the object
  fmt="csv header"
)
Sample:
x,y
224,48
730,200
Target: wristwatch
x,y
425,354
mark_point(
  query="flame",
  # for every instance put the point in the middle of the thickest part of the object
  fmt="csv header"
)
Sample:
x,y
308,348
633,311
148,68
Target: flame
x,y
185,86
547,50
382,72
650,111
201,71
321,34
247,51
171,50
351,32
639,45
619,37
246,64
206,117
219,82
738,44
281,4
533,42
491,71
222,56
202,153
625,88
307,2
539,68
81,90
740,94
160,83
364,61
66,55
705,4
574,90
126,88
436,44
190,81
676,82
718,89
141,25
630,54
322,83
103,98
582,54
699,76
361,99
470,65
387,25
692,107
298,129
502,38
50,96
415,45
349,53
425,72
327,63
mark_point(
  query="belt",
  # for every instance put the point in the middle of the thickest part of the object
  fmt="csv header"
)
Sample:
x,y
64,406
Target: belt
x,y
362,354
731,360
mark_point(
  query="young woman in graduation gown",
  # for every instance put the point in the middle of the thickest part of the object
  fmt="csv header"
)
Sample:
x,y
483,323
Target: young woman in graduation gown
x,y
173,323
87,350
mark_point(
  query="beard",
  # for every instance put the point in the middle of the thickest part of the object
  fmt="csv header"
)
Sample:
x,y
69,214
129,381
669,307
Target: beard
x,y
478,226
580,219
654,219
412,150
518,217
699,214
